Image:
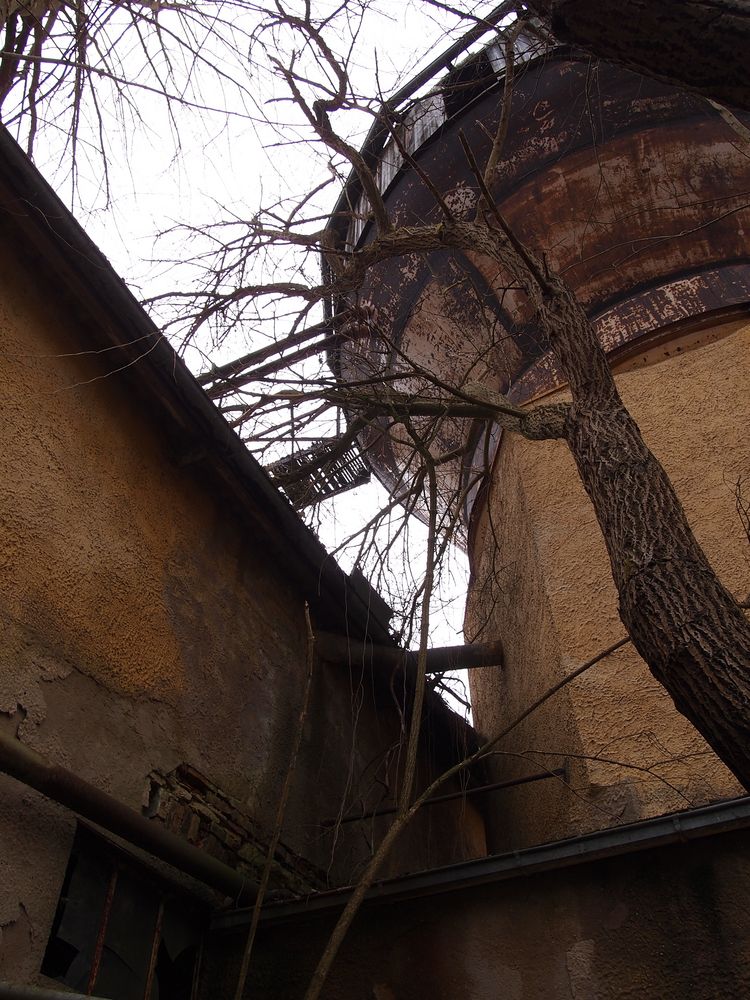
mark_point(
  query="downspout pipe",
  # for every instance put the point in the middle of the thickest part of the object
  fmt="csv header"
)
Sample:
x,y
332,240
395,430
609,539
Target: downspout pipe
x,y
67,789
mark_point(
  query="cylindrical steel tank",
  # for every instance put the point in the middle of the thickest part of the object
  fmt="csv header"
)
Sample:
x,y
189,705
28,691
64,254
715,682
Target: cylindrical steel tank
x,y
638,194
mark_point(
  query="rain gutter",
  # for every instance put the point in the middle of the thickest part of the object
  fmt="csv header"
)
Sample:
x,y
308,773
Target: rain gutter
x,y
675,828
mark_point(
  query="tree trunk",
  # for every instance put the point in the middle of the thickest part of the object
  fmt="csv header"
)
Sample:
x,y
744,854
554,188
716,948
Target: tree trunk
x,y
688,628
683,622
700,45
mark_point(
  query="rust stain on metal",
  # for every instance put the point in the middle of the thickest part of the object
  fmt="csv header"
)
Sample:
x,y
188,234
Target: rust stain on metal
x,y
633,190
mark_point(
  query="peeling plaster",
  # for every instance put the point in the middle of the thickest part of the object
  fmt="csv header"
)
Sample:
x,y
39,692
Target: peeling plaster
x,y
16,942
579,961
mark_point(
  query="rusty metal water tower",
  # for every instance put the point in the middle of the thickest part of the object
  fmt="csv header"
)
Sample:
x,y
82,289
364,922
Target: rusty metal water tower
x,y
637,193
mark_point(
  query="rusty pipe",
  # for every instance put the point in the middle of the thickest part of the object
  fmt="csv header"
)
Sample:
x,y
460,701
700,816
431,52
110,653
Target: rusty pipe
x,y
67,789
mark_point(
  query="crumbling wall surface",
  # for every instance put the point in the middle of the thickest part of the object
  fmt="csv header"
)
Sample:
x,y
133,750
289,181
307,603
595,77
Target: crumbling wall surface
x,y
671,923
508,598
35,838
630,753
143,624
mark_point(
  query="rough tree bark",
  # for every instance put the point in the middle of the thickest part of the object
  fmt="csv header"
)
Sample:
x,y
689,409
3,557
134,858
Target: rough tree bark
x,y
687,627
700,45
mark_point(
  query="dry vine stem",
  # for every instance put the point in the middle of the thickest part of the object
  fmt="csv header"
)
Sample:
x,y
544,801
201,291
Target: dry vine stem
x,y
281,810
406,808
403,818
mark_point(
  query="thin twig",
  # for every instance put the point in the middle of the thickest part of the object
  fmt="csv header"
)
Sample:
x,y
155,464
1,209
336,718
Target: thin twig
x,y
265,878
403,819
410,768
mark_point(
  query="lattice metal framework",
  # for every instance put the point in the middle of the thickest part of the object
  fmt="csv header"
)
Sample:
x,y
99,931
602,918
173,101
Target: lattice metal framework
x,y
319,472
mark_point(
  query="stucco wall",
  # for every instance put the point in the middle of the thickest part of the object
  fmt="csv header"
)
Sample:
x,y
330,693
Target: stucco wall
x,y
666,923
544,587
144,625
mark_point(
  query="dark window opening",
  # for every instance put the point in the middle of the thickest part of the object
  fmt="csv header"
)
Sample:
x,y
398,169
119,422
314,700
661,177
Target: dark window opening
x,y
121,931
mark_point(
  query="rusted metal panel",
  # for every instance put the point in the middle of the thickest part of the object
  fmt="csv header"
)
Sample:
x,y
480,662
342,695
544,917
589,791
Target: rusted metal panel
x,y
635,191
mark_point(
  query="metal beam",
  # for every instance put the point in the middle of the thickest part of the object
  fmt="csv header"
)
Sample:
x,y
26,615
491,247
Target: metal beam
x,y
463,793
66,788
341,649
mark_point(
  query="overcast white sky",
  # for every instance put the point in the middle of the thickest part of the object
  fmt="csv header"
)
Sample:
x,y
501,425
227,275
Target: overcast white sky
x,y
169,169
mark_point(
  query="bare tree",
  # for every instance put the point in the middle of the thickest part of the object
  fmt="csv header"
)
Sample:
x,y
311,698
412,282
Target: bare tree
x,y
81,78
683,622
688,628
261,274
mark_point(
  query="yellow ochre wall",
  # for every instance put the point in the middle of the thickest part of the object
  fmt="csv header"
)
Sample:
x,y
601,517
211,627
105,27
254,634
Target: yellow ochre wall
x,y
541,582
144,625
133,635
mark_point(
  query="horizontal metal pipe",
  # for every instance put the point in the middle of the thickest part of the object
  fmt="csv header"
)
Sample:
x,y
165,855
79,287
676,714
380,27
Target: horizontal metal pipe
x,y
66,788
464,793
341,649
9,991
